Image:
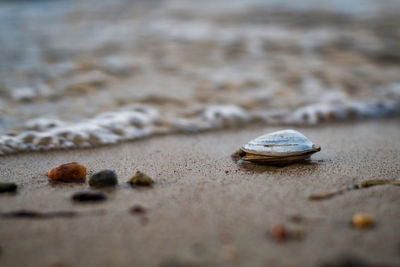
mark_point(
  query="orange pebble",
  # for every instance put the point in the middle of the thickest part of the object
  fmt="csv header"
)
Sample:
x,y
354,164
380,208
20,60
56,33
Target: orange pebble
x,y
69,172
362,220
279,233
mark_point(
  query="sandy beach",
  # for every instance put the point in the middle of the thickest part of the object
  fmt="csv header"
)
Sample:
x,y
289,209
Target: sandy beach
x,y
204,209
172,88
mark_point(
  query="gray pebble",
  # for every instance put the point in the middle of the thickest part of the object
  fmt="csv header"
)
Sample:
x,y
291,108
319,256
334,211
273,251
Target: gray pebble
x,y
105,178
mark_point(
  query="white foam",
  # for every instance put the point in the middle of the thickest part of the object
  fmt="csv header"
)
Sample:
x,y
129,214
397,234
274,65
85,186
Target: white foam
x,y
143,121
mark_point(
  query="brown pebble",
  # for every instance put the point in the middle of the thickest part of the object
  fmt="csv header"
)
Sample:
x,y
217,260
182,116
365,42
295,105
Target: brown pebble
x,y
279,233
69,172
137,209
141,179
362,220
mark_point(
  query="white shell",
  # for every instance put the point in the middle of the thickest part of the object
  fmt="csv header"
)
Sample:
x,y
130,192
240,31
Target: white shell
x,y
279,147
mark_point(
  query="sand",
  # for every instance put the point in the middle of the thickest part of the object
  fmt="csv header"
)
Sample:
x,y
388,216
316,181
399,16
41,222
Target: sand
x,y
204,209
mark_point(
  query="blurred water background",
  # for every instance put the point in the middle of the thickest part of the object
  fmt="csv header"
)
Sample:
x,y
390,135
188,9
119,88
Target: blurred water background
x,y
85,73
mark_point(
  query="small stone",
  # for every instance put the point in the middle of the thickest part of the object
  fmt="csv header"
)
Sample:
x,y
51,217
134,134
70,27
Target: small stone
x,y
296,233
137,209
362,220
141,179
69,172
105,178
87,196
7,187
279,233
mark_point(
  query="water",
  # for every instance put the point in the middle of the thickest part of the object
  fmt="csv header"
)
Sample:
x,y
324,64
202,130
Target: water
x,y
87,73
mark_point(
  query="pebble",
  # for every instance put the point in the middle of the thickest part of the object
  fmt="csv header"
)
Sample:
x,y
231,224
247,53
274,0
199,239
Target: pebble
x,y
105,178
69,172
141,179
362,220
87,196
280,233
7,187
137,209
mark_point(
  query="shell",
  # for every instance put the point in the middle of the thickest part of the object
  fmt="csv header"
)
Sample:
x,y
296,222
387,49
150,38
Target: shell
x,y
279,147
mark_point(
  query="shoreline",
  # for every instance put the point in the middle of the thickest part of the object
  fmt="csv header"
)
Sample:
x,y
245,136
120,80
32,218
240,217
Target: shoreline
x,y
202,202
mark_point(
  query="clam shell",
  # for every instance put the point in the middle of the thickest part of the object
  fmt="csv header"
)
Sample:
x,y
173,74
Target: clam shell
x,y
279,147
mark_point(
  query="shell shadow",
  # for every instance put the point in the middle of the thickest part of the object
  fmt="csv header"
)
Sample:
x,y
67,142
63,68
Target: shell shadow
x,y
310,165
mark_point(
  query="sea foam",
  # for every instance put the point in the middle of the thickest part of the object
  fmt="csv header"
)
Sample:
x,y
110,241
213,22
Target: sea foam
x,y
143,121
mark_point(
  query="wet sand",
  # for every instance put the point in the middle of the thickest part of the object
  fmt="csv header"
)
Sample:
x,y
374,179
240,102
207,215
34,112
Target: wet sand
x,y
204,209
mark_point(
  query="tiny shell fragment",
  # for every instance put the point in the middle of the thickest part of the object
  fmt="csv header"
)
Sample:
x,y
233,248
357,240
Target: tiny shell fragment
x,y
69,172
362,220
141,179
